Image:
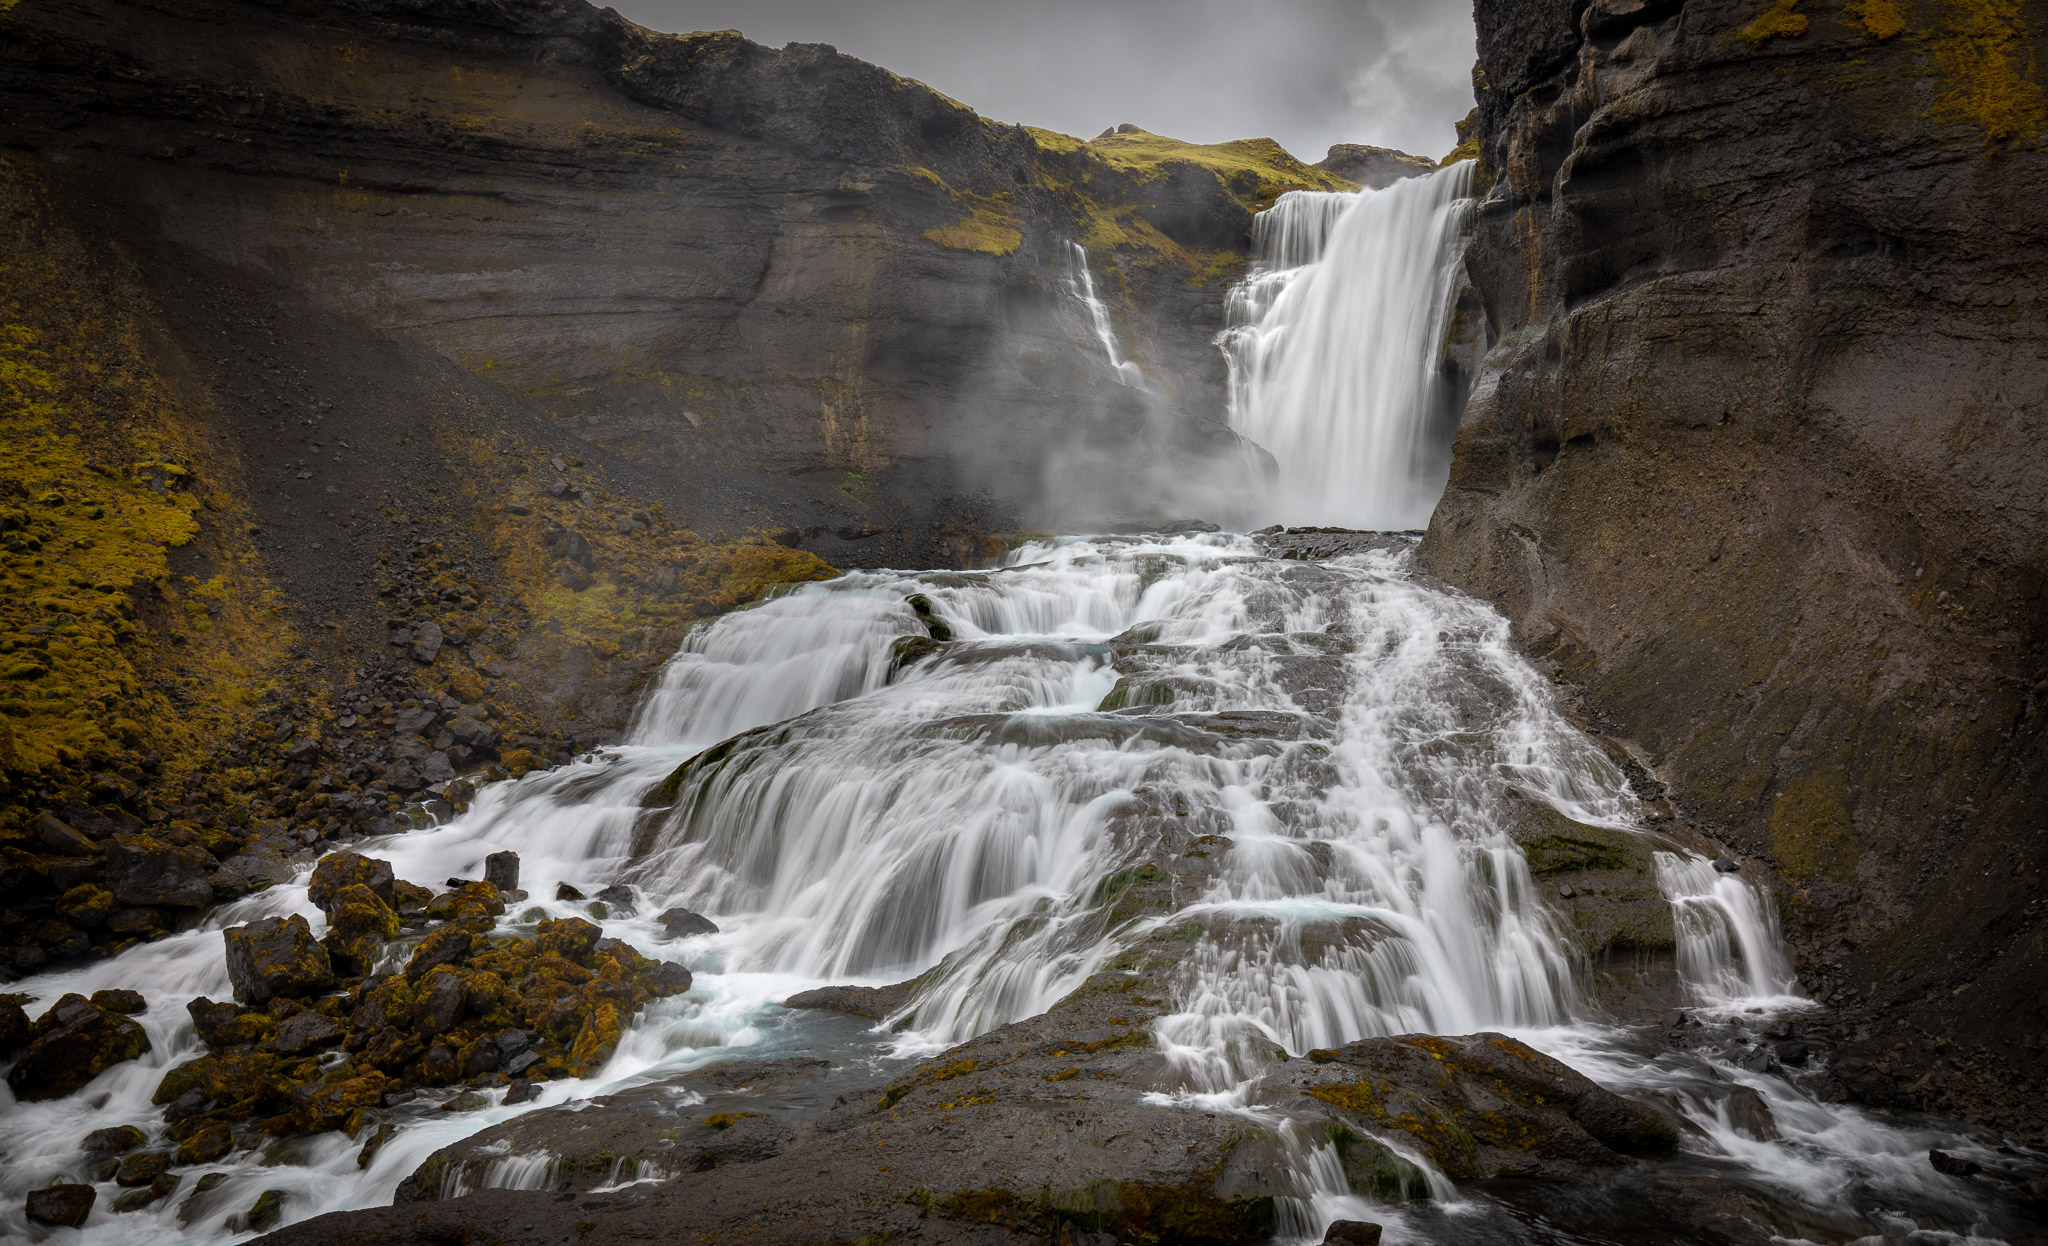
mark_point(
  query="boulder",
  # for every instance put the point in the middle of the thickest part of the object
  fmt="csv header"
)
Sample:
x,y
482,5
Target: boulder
x,y
877,1003
113,1140
58,835
443,947
121,1000
86,905
501,870
426,642
62,1206
682,923
144,871
338,871
225,1026
276,956
1485,1105
359,923
15,1027
71,1044
142,1168
304,1032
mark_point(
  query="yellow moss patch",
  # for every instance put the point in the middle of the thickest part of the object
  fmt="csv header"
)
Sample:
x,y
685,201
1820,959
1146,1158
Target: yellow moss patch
x,y
1989,77
977,231
1881,19
104,470
1781,21
1257,170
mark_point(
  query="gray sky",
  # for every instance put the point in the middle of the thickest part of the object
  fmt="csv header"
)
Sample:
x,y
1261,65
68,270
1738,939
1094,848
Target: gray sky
x,y
1393,73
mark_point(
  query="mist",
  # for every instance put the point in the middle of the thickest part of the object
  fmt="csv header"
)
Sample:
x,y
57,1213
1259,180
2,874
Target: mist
x,y
1309,73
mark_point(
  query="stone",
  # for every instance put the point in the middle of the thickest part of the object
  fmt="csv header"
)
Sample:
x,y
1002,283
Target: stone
x,y
1726,865
15,1027
520,1063
501,870
143,1168
441,996
426,642
418,721
564,892
358,924
1486,1105
684,924
347,869
1352,1233
206,1146
1792,1052
86,905
877,1003
114,1139
61,1206
410,899
265,1212
521,1092
56,834
442,947
303,1033
121,1000
144,871
135,921
1952,1165
437,767
72,1043
223,1026
276,956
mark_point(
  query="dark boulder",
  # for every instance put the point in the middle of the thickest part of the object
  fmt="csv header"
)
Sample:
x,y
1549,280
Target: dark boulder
x,y
121,1000
144,871
143,1168
276,956
87,905
113,1140
1352,1233
1486,1105
15,1027
304,1032
682,923
71,1044
443,947
57,835
501,870
874,1002
62,1206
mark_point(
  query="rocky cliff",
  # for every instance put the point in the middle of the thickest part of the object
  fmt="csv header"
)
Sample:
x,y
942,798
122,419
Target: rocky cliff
x,y
388,385
1755,465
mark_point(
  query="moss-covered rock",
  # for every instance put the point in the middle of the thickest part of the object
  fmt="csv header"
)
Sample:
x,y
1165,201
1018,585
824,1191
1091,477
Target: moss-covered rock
x,y
276,956
72,1043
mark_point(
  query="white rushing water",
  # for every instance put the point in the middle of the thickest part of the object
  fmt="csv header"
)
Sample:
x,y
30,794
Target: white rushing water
x,y
1333,344
961,816
1081,284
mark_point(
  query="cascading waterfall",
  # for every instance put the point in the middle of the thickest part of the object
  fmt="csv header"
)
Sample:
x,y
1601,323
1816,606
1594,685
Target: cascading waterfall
x,y
1081,284
1333,344
1355,746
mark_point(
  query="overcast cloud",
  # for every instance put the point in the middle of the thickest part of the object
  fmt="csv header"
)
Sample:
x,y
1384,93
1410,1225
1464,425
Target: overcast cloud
x,y
1393,73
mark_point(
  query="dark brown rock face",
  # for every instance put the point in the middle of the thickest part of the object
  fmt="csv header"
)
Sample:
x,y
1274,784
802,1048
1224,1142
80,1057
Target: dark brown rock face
x,y
144,871
1756,463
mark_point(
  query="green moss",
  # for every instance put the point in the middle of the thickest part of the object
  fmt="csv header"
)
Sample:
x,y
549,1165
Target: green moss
x,y
982,230
1255,170
1116,884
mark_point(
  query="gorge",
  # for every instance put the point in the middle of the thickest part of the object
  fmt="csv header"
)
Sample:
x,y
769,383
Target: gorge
x,y
507,428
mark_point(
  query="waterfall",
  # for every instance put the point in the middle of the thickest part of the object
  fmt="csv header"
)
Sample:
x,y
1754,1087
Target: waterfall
x,y
1332,348
1081,284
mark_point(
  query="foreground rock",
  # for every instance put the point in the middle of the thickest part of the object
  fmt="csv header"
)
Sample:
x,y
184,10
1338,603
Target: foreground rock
x,y
72,1043
61,1206
470,1009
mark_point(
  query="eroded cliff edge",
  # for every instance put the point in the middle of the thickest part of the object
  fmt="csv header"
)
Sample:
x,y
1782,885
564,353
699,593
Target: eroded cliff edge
x,y
1755,464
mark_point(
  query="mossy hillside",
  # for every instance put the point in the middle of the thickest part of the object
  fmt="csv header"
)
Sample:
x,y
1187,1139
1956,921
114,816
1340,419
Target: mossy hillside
x,y
1256,171
136,626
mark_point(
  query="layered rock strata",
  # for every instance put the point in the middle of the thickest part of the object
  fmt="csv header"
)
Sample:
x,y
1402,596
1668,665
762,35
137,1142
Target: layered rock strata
x,y
1755,464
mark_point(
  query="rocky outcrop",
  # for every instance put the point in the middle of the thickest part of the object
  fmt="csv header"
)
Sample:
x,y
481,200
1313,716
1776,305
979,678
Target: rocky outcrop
x,y
1376,167
72,1043
1755,465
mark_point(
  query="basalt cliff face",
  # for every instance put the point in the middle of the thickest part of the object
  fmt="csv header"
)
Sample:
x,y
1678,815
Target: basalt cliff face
x,y
1755,464
388,385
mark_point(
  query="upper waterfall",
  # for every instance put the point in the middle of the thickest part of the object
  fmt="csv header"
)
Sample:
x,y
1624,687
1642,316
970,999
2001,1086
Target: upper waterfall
x,y
1333,342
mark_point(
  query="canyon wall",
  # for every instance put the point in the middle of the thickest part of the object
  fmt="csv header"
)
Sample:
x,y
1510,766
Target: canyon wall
x,y
1755,467
372,371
